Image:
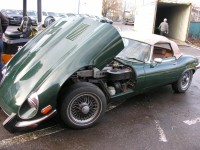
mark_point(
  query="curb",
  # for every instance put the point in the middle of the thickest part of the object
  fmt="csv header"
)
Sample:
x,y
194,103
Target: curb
x,y
193,46
190,45
196,47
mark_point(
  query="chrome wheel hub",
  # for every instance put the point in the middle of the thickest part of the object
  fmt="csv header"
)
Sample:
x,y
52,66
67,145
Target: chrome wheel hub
x,y
85,108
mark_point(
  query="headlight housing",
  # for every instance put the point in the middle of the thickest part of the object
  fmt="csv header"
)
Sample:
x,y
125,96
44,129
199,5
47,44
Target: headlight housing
x,y
30,107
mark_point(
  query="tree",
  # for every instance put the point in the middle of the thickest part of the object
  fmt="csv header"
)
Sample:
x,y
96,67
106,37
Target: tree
x,y
113,8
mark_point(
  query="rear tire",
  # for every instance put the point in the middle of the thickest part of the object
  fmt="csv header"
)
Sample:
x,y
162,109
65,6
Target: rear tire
x,y
183,82
83,105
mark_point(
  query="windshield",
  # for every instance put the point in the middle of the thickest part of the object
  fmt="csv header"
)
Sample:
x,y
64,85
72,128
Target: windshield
x,y
135,51
12,12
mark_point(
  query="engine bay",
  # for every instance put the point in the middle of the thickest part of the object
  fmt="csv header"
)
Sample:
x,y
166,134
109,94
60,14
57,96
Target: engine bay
x,y
116,77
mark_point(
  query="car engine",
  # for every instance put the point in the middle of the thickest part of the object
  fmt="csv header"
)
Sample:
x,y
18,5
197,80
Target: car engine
x,y
116,77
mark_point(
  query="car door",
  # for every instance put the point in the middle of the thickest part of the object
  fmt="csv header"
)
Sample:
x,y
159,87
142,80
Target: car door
x,y
162,68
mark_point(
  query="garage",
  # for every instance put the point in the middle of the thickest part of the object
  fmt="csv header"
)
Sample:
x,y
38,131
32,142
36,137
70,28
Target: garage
x,y
150,15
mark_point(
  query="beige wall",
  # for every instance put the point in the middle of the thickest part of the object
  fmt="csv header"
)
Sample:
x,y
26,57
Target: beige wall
x,y
145,18
179,21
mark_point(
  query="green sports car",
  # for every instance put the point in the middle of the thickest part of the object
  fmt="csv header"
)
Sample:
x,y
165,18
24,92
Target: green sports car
x,y
76,67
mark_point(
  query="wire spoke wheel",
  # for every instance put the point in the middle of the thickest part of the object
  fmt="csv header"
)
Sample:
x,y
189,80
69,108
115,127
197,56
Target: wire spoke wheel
x,y
185,80
83,105
84,108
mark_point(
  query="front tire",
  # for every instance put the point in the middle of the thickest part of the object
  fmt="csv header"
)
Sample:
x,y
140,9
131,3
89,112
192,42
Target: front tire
x,y
183,82
83,106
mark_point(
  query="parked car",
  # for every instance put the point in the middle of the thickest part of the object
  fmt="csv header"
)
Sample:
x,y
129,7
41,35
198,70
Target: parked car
x,y
53,14
129,21
70,15
83,15
13,16
62,15
77,66
33,15
108,20
48,14
101,19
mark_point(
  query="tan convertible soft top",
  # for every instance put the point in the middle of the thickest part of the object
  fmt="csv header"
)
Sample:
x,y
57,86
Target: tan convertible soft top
x,y
151,39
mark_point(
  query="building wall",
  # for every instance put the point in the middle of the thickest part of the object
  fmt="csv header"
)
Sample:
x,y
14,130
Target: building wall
x,y
194,30
146,2
195,14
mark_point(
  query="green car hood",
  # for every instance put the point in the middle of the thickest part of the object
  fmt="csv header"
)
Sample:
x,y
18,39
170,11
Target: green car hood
x,y
52,56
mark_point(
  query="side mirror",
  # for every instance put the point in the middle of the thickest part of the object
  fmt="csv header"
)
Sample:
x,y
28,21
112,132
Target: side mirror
x,y
158,60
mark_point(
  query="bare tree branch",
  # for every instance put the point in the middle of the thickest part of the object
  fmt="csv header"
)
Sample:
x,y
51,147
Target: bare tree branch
x,y
112,7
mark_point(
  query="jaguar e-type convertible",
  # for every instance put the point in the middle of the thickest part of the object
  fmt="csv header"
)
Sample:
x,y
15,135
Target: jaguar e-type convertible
x,y
76,67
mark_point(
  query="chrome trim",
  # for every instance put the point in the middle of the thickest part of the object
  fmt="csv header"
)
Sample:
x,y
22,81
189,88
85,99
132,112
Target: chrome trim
x,y
151,54
3,72
4,111
9,118
32,122
30,96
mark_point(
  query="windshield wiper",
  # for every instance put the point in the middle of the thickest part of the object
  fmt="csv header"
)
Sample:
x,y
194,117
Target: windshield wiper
x,y
120,58
129,58
136,59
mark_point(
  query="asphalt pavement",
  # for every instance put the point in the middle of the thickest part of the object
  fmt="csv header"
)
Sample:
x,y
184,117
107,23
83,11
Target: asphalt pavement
x,y
157,120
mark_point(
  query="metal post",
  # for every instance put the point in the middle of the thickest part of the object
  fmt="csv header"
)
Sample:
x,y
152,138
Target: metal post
x,y
24,8
39,14
78,6
124,9
39,10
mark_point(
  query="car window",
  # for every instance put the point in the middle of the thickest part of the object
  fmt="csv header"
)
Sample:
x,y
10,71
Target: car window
x,y
135,50
162,50
12,12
